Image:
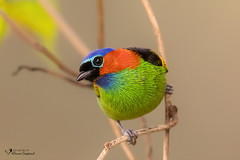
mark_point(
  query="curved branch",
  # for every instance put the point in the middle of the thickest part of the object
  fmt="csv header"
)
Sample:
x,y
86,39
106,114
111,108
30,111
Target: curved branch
x,y
140,132
52,73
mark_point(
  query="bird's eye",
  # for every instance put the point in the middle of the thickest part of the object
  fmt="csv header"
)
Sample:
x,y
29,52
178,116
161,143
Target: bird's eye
x,y
98,61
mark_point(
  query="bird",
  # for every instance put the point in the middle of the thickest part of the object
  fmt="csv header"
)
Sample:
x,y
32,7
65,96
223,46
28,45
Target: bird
x,y
129,82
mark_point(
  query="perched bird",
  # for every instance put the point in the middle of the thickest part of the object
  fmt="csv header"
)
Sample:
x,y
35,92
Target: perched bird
x,y
129,82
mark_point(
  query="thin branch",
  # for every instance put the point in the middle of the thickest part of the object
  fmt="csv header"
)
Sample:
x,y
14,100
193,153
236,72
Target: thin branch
x,y
100,24
168,104
140,132
124,146
156,29
35,44
67,31
52,73
147,139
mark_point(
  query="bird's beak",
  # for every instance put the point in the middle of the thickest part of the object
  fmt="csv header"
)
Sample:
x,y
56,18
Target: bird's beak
x,y
84,74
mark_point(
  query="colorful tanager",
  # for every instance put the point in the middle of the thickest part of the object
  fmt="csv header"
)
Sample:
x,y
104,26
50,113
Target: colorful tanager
x,y
128,82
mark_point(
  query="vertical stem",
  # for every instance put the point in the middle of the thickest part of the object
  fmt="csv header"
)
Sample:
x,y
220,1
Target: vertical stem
x,y
100,24
167,131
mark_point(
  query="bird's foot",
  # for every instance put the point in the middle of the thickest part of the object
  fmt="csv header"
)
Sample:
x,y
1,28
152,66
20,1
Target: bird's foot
x,y
132,136
169,89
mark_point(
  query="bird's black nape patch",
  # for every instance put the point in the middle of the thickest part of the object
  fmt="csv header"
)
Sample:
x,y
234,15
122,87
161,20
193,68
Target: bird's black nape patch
x,y
147,54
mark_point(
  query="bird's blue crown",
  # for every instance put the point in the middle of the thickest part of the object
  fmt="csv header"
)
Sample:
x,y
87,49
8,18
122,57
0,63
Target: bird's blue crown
x,y
97,52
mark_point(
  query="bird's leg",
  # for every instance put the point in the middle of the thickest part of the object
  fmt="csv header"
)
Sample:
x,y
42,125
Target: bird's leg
x,y
132,135
169,89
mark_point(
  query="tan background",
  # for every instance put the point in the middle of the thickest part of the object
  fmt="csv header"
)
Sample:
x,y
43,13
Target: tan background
x,y
60,121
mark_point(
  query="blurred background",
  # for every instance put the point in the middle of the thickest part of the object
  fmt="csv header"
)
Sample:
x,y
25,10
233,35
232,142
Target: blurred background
x,y
60,121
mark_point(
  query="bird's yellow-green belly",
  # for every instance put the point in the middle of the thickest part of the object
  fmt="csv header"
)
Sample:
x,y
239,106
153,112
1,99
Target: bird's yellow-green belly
x,y
124,107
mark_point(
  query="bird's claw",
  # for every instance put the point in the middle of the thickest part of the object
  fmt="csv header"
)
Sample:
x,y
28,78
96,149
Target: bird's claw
x,y
132,136
169,89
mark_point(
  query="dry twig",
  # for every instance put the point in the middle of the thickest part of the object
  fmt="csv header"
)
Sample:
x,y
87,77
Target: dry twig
x,y
52,73
100,24
140,132
168,104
